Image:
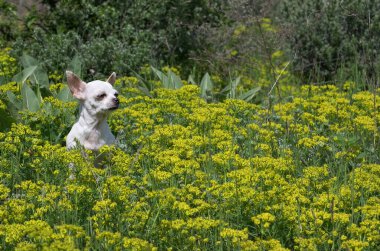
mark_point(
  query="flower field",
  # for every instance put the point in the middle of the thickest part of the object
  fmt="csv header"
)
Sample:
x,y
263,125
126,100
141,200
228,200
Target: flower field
x,y
185,174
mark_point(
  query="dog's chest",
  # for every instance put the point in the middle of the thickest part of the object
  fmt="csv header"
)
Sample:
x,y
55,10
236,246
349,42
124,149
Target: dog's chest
x,y
93,139
96,138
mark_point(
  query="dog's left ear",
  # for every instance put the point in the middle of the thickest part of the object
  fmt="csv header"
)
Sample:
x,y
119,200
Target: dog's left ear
x,y
112,78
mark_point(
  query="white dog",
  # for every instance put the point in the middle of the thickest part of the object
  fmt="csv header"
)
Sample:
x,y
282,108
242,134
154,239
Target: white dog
x,y
97,99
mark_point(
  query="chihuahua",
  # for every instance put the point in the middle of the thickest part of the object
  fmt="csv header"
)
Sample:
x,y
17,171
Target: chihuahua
x,y
97,99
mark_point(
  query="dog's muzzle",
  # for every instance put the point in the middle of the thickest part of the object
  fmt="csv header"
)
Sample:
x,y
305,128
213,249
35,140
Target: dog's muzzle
x,y
116,104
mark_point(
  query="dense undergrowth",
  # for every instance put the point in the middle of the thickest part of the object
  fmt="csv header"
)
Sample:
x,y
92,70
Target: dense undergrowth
x,y
187,174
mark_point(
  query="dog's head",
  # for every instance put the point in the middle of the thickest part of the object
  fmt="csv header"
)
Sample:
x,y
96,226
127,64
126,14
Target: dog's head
x,y
98,97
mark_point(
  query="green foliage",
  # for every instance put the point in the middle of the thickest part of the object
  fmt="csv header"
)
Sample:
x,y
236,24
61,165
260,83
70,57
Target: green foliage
x,y
115,35
327,36
191,175
206,86
38,101
30,100
208,90
37,77
8,65
169,80
8,22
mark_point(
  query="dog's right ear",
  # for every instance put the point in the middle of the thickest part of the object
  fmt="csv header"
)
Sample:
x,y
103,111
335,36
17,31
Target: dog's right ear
x,y
112,78
76,85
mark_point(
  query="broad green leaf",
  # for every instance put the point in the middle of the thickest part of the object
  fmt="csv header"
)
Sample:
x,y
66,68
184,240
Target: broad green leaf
x,y
37,76
175,82
145,90
28,61
250,94
76,66
41,78
206,85
14,101
64,94
48,109
191,80
226,89
236,82
159,73
30,100
25,74
163,78
38,94
233,85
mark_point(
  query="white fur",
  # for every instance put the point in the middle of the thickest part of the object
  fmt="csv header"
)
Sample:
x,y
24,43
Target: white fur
x,y
97,99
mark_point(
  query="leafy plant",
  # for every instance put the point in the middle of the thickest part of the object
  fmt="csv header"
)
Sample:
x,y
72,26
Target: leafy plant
x,y
37,77
191,175
33,83
8,22
206,86
169,80
328,36
115,36
232,91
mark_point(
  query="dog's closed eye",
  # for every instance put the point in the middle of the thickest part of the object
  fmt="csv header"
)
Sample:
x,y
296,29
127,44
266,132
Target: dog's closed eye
x,y
101,96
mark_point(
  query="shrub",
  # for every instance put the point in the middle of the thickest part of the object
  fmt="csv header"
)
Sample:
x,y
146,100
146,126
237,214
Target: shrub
x,y
328,36
119,35
8,19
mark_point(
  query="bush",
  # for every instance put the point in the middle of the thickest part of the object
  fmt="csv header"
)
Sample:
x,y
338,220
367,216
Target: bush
x,y
117,35
327,36
7,22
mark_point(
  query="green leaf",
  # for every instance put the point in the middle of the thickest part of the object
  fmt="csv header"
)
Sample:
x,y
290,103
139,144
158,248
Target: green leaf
x,y
25,74
236,82
250,94
163,78
30,99
145,90
28,61
170,81
14,101
76,65
233,85
34,71
41,78
64,94
158,73
206,85
191,80
175,82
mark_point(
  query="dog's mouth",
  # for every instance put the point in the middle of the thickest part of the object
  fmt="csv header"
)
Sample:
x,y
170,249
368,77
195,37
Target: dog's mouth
x,y
115,104
113,107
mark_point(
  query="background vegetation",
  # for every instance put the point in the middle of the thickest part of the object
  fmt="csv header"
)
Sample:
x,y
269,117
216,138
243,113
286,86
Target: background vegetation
x,y
243,125
324,40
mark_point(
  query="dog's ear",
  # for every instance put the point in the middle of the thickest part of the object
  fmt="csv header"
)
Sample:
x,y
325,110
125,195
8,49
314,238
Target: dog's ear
x,y
112,78
76,85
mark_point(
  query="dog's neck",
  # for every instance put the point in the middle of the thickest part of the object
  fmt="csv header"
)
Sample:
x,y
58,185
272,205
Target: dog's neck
x,y
91,121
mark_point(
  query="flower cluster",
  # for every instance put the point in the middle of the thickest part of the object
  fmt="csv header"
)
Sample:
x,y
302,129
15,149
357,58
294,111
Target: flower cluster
x,y
8,64
190,175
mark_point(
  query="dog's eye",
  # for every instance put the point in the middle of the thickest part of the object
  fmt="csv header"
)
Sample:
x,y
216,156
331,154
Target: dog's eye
x,y
101,96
